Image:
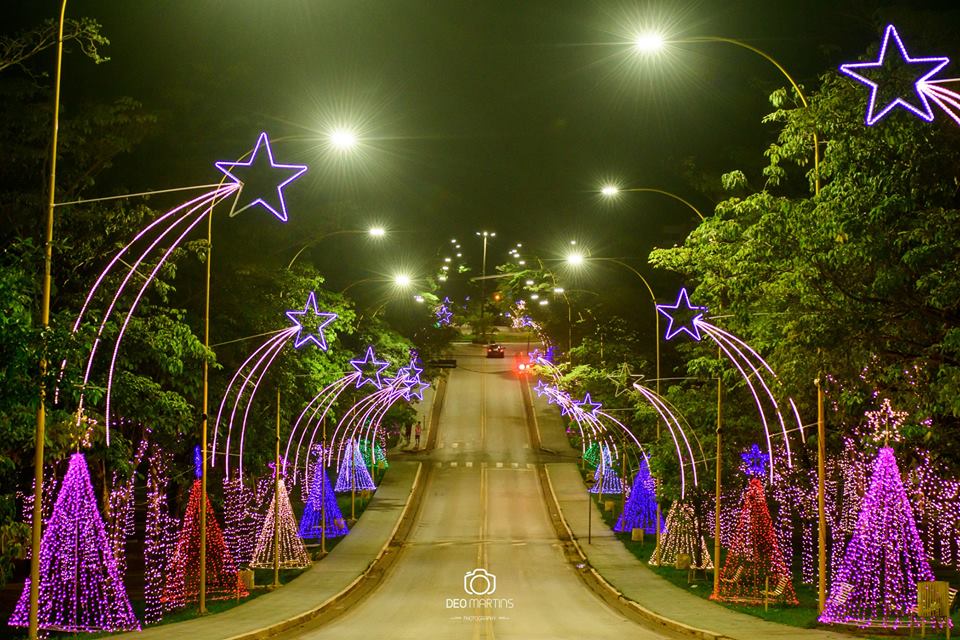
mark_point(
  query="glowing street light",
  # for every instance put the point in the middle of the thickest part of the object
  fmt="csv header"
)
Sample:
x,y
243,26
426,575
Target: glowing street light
x,y
649,42
402,280
377,232
612,191
343,139
575,259
609,190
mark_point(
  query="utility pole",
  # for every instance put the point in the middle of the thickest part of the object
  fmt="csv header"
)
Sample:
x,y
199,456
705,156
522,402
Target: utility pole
x,y
486,235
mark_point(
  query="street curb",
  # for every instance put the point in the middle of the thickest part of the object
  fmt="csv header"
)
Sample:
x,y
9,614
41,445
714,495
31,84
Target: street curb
x,y
435,410
310,614
633,606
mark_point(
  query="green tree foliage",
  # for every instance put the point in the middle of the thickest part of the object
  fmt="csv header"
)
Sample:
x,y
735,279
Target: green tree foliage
x,y
860,283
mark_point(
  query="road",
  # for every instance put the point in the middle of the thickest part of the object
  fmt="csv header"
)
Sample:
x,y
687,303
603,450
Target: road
x,y
482,508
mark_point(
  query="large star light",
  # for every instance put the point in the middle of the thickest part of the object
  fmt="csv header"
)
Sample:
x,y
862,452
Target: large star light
x,y
259,166
369,369
310,323
682,308
925,68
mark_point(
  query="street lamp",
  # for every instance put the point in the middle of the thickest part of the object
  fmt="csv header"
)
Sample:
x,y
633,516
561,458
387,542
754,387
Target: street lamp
x,y
486,235
652,43
612,191
343,139
373,232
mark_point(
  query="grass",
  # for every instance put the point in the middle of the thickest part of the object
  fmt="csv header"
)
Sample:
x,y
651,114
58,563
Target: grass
x,y
262,578
803,615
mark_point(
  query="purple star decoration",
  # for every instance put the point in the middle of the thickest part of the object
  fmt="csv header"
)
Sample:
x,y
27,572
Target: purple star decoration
x,y
260,163
369,369
682,308
317,318
926,68
587,405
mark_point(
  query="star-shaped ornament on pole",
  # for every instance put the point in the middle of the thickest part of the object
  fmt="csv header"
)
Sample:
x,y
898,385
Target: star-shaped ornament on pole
x,y
753,462
369,369
877,75
310,323
587,405
264,176
623,379
682,314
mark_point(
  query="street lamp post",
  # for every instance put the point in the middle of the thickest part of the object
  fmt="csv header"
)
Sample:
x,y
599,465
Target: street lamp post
x,y
486,235
611,191
373,232
45,324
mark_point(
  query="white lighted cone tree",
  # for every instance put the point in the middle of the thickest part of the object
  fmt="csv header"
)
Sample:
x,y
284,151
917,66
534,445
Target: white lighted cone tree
x,y
293,554
681,537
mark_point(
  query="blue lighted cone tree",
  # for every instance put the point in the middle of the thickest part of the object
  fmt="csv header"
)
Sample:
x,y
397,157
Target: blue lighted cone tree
x,y
640,510
353,474
292,553
754,561
80,586
885,559
321,499
606,480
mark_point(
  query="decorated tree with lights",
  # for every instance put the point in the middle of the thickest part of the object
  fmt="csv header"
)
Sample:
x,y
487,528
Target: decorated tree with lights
x,y
592,455
80,586
605,477
877,581
353,474
379,457
640,510
183,571
681,536
292,553
754,562
321,506
239,527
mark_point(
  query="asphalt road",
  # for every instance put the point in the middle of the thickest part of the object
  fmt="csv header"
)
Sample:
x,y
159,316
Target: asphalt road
x,y
482,508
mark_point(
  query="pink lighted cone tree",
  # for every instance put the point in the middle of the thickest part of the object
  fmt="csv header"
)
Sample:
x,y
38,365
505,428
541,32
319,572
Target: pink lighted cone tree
x,y
183,572
884,560
754,555
80,587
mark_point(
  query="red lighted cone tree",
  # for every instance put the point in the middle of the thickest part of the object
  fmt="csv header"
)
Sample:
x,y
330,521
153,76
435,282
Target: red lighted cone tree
x,y
754,556
183,572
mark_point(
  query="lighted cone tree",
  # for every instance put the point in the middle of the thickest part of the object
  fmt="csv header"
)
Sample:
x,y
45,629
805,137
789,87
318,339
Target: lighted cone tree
x,y
592,455
680,536
877,581
353,474
80,587
640,510
321,505
754,562
379,455
292,553
606,480
183,571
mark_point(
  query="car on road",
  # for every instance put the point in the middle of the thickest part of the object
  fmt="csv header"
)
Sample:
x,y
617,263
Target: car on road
x,y
495,350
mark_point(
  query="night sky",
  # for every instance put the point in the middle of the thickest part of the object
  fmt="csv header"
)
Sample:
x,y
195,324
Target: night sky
x,y
501,115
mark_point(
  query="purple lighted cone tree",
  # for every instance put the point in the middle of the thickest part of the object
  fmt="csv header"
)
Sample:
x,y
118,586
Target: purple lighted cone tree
x,y
754,561
640,510
353,474
292,553
80,587
321,505
680,536
885,558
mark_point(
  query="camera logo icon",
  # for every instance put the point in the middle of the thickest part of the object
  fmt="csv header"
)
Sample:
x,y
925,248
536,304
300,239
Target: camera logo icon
x,y
479,582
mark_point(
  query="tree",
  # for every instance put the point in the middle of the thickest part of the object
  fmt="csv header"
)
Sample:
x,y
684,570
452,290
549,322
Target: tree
x,y
85,32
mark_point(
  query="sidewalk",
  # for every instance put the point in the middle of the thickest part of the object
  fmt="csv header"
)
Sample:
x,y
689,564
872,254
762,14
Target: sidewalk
x,y
321,585
658,599
637,585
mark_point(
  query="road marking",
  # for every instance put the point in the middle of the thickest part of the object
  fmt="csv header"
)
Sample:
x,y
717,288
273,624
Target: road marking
x,y
453,464
499,465
469,464
514,465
